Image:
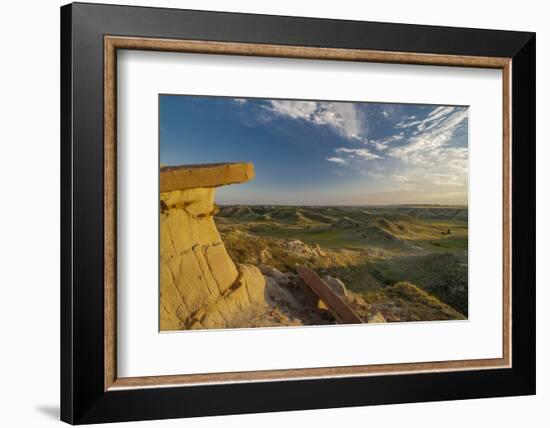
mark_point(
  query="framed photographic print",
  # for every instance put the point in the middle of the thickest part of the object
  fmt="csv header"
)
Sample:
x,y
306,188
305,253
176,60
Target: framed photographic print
x,y
266,213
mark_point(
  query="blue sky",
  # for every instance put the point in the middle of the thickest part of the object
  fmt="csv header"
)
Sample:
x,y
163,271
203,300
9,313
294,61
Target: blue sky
x,y
323,152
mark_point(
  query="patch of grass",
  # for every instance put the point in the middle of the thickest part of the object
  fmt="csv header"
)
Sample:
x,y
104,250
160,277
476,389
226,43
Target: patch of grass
x,y
404,301
246,248
369,248
444,275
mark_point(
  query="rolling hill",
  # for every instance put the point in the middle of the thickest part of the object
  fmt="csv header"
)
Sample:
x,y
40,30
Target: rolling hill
x,y
371,249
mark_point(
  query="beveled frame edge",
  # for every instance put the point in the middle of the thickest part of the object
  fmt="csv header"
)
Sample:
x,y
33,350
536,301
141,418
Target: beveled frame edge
x,y
113,43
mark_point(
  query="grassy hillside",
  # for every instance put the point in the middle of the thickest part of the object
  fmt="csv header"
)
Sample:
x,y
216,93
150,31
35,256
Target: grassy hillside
x,y
404,301
371,249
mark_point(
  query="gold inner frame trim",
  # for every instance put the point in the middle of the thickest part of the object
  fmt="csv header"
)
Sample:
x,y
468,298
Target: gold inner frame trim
x,y
113,43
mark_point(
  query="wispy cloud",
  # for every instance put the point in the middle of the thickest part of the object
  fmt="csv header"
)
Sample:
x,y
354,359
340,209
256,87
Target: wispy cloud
x,y
358,153
435,132
419,153
344,118
444,179
385,152
429,153
432,119
337,160
382,143
407,123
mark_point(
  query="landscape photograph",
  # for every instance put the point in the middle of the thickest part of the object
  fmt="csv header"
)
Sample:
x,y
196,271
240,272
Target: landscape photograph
x,y
283,212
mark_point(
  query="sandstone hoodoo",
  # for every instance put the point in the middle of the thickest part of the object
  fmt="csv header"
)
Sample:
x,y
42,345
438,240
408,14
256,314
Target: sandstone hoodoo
x,y
202,287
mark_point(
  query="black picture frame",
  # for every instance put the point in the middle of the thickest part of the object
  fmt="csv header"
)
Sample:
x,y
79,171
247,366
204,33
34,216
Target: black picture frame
x,y
83,398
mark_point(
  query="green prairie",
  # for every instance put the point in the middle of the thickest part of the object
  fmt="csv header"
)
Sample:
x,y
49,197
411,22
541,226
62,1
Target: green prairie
x,y
411,260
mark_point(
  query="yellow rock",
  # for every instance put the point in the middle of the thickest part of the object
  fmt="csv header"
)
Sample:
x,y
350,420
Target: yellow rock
x,y
200,286
254,282
207,175
224,272
186,220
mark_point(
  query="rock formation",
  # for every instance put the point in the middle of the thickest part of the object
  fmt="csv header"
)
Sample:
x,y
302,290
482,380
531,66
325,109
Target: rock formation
x,y
336,285
201,287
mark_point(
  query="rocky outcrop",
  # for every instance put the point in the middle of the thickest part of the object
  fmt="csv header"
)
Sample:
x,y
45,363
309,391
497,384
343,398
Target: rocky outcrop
x,y
336,285
200,286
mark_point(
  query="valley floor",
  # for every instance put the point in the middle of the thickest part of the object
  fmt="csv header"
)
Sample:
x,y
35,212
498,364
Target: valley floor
x,y
408,263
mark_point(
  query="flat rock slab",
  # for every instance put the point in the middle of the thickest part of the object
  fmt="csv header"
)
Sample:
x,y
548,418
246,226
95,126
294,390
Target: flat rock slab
x,y
341,311
206,175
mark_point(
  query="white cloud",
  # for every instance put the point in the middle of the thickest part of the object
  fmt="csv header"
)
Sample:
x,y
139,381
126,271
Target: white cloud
x,y
359,153
385,113
444,179
438,130
420,146
440,112
407,124
382,144
239,101
294,109
379,146
418,157
428,155
434,118
337,160
344,118
449,121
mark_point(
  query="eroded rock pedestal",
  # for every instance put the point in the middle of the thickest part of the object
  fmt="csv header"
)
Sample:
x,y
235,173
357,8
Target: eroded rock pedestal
x,y
200,286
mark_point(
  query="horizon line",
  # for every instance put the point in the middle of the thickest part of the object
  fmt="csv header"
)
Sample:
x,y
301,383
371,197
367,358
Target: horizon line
x,y
346,205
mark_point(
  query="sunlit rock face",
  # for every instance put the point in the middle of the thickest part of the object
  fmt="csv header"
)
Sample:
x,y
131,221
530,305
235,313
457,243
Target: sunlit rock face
x,y
201,287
